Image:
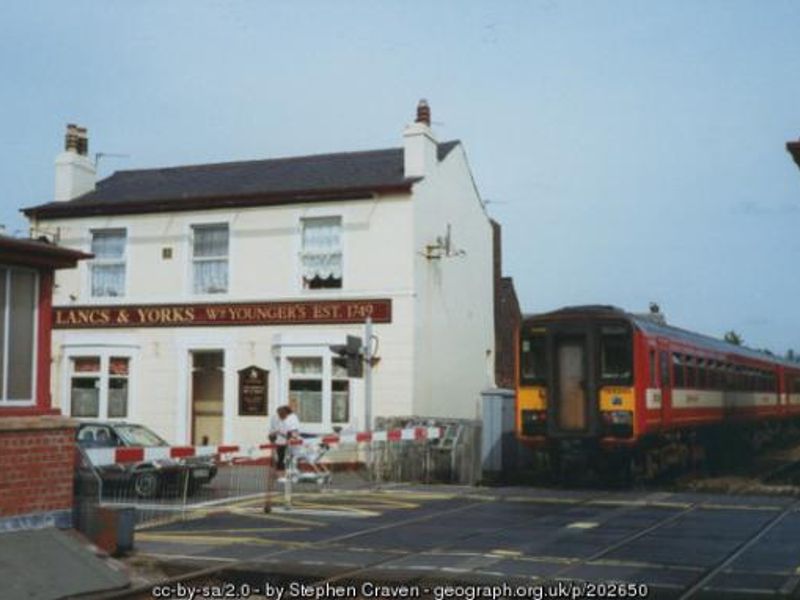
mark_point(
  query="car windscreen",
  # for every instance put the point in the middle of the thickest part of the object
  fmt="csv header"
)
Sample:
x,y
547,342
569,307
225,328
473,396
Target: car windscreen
x,y
133,435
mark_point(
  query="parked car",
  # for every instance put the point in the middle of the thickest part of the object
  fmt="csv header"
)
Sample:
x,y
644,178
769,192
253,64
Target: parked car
x,y
149,478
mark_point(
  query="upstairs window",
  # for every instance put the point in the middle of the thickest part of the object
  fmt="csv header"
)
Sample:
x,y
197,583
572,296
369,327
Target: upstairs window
x,y
321,256
108,266
210,259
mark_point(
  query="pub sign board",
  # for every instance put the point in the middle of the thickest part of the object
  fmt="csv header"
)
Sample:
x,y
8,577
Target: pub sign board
x,y
253,386
304,312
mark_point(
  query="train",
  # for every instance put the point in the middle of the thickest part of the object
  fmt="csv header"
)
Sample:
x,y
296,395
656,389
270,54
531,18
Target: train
x,y
629,394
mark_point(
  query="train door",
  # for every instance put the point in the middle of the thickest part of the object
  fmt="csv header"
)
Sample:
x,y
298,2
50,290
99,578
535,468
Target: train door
x,y
665,386
571,381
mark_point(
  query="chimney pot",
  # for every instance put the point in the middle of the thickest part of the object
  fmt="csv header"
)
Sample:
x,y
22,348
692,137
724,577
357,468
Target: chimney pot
x,y
83,141
423,112
71,139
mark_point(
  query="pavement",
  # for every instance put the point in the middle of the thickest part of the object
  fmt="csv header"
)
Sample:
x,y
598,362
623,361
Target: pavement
x,y
74,568
680,545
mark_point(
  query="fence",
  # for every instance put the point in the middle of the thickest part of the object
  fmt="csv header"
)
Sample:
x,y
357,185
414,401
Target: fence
x,y
165,483
452,458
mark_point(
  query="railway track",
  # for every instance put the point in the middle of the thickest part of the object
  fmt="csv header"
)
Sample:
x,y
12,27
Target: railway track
x,y
252,573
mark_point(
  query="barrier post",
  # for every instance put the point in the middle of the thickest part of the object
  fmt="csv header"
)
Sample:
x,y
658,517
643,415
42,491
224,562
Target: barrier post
x,y
270,480
288,475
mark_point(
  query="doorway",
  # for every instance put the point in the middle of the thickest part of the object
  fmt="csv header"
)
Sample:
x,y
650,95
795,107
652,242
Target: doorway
x,y
208,371
572,384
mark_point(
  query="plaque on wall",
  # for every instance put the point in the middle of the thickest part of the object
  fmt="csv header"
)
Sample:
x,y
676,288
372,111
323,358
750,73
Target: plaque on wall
x,y
253,391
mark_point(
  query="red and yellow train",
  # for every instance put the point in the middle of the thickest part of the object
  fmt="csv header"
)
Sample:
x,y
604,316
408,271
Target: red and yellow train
x,y
601,382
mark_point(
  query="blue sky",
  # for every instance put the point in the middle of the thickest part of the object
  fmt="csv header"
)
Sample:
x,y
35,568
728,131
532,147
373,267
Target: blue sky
x,y
632,151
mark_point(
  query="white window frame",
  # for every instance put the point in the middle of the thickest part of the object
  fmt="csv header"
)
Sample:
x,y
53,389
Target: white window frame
x,y
193,259
104,354
289,352
6,316
108,262
301,253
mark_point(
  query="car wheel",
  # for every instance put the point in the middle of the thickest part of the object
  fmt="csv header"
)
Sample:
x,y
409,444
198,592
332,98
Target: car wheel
x,y
145,484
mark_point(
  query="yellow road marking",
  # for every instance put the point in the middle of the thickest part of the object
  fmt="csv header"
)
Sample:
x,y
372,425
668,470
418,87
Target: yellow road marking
x,y
543,500
217,540
259,514
739,507
636,563
209,532
334,508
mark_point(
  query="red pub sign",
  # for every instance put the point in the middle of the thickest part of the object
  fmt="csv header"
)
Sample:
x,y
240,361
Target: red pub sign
x,y
305,312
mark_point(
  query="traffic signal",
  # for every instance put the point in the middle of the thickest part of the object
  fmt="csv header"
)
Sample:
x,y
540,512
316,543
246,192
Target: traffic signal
x,y
351,355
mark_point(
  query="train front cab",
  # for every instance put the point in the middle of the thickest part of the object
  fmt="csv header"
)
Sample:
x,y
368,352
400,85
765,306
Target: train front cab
x,y
576,383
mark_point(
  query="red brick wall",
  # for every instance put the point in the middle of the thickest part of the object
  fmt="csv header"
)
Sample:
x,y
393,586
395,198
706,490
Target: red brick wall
x,y
507,317
37,463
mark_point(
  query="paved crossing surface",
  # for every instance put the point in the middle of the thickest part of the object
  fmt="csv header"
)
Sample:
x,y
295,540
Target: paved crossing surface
x,y
681,545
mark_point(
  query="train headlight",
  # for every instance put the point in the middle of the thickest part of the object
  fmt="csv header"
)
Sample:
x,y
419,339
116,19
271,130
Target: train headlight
x,y
534,422
618,423
618,417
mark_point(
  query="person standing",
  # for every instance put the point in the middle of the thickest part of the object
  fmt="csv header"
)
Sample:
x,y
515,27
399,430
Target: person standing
x,y
284,428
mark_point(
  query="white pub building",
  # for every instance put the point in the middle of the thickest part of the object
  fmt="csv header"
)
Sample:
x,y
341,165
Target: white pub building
x,y
215,291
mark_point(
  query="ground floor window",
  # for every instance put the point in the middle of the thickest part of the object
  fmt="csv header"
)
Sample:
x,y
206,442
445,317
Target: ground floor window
x,y
99,386
18,309
319,390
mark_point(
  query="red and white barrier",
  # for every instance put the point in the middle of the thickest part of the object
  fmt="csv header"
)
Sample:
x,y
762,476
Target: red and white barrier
x,y
109,456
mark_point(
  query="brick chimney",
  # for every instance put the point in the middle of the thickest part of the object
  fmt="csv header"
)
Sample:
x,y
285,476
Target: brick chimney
x,y
75,172
419,144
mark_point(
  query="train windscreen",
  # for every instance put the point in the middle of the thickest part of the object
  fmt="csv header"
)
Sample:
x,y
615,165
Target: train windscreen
x,y
533,357
616,354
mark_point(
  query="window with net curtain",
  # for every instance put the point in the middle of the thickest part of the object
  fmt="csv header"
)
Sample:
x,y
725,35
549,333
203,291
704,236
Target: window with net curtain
x,y
108,266
305,389
210,258
321,256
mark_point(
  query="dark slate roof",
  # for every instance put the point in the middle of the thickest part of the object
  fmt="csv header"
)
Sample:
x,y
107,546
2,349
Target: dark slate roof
x,y
255,182
651,327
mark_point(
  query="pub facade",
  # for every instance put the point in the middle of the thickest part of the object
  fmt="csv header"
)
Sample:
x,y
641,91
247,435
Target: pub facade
x,y
215,292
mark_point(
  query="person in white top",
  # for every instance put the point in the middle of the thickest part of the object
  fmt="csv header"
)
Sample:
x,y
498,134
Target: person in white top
x,y
284,426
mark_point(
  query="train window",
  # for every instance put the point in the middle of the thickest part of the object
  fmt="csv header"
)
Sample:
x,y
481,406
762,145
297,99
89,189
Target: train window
x,y
616,359
740,379
678,374
533,359
702,375
691,372
713,375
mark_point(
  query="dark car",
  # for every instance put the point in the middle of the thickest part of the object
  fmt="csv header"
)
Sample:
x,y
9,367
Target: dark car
x,y
148,478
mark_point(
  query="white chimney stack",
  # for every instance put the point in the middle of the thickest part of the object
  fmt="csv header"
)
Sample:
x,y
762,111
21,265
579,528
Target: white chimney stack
x,y
419,144
75,173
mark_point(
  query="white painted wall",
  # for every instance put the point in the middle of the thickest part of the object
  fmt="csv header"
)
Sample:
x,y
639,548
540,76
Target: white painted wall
x,y
436,355
454,341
